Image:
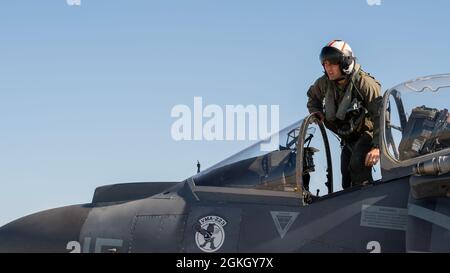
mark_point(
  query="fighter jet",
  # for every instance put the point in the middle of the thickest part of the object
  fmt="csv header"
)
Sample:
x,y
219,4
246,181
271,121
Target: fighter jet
x,y
285,200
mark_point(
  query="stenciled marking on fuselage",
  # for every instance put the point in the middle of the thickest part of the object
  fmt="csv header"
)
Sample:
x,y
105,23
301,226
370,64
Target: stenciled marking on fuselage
x,y
283,221
113,244
384,217
374,247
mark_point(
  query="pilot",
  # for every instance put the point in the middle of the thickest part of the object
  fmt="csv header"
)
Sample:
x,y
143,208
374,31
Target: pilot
x,y
347,100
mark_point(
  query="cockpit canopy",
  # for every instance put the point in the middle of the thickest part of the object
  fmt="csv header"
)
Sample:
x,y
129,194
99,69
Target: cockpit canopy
x,y
256,166
276,169
416,124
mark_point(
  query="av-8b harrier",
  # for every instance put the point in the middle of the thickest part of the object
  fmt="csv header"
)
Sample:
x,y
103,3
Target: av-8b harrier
x,y
286,200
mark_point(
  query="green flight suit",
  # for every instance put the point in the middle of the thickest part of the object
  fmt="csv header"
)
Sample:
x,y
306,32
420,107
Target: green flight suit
x,y
332,100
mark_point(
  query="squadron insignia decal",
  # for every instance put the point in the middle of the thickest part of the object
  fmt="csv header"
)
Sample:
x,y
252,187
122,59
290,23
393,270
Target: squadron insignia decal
x,y
210,234
283,221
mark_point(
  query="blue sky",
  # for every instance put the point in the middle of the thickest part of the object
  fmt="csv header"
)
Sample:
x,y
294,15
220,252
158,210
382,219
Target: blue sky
x,y
86,91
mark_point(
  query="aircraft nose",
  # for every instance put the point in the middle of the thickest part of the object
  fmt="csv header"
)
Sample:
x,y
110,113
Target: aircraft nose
x,y
47,231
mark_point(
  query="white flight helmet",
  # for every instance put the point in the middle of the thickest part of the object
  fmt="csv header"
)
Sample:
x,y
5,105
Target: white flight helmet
x,y
339,52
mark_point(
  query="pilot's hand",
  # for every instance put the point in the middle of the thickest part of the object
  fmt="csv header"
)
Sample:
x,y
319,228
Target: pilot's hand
x,y
372,157
319,115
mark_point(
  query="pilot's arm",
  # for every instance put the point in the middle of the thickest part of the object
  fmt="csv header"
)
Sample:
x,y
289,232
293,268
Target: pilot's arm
x,y
315,99
371,91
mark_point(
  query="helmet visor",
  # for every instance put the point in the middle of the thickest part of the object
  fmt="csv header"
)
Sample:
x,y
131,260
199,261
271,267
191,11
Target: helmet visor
x,y
330,54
